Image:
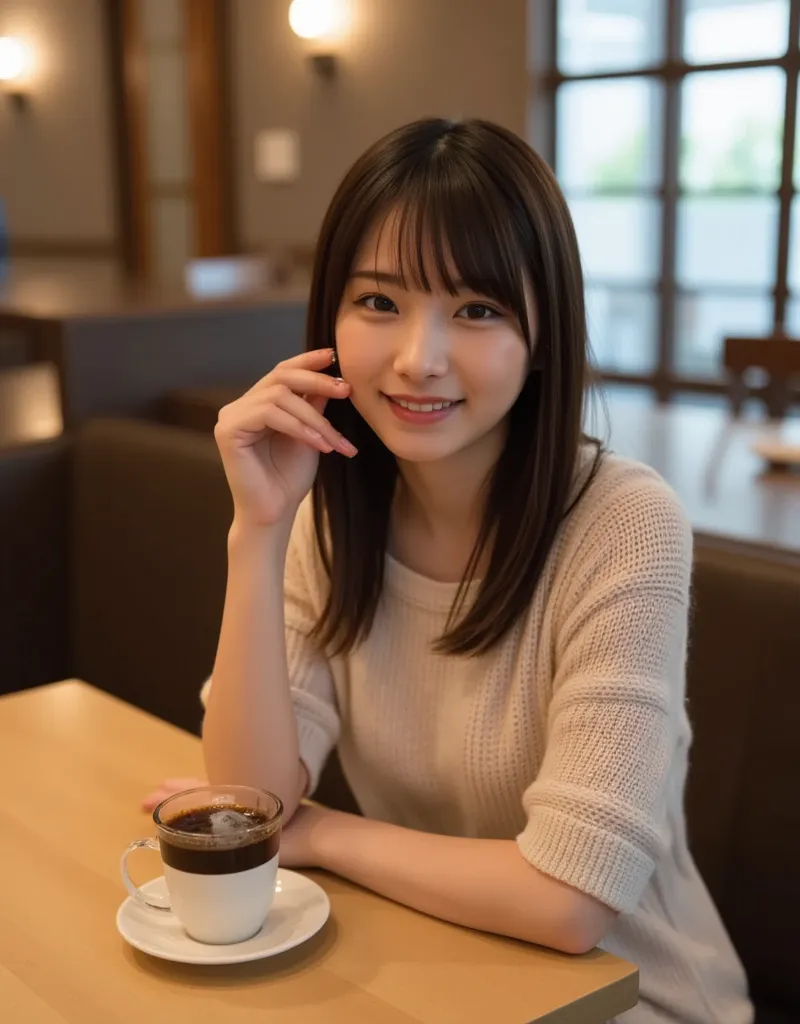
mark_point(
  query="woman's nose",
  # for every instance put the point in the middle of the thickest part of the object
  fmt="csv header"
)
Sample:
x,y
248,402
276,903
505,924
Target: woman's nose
x,y
422,351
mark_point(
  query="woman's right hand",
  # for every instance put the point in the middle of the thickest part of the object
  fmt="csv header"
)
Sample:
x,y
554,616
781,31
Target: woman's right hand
x,y
271,437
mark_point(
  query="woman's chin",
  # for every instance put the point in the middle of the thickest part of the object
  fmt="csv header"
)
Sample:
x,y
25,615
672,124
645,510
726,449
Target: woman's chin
x,y
419,449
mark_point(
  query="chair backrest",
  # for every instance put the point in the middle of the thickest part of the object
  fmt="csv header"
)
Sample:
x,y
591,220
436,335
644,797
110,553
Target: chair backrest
x,y
744,781
198,408
777,356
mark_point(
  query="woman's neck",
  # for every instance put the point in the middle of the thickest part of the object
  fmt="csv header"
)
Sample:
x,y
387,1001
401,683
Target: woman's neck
x,y
439,508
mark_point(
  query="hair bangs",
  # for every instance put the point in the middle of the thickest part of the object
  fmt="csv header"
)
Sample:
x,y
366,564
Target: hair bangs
x,y
450,232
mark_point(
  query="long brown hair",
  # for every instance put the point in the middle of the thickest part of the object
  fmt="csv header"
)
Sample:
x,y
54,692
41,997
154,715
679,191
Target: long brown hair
x,y
476,193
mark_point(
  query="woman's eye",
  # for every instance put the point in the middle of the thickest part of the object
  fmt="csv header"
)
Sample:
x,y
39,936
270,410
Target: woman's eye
x,y
478,311
378,304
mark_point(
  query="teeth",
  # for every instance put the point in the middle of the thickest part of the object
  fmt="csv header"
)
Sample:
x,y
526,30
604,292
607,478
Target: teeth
x,y
423,407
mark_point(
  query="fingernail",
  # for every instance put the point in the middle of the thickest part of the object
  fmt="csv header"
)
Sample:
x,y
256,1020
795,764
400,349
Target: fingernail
x,y
346,448
340,382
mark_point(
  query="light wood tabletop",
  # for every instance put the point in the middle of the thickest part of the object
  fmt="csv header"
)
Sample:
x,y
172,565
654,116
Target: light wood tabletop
x,y
75,763
707,458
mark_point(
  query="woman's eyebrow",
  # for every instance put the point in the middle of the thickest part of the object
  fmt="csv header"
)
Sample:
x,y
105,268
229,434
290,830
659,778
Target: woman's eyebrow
x,y
380,277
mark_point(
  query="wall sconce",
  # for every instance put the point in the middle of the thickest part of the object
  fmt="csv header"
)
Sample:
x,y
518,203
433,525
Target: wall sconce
x,y
323,23
15,64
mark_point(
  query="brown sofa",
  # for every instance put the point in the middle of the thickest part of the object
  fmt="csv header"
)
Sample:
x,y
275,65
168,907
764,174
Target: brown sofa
x,y
113,570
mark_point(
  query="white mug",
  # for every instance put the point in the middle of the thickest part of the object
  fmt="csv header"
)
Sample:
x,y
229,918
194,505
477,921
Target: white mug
x,y
219,847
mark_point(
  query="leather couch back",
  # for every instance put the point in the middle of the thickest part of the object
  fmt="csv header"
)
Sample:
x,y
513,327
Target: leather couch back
x,y
743,793
35,645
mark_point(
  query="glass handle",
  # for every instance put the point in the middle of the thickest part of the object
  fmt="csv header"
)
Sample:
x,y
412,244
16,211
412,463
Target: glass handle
x,y
151,899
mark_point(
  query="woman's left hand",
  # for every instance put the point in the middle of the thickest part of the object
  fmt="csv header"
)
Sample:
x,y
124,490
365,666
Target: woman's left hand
x,y
302,840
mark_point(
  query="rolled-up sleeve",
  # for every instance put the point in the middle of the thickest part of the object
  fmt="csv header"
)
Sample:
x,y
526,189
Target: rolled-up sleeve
x,y
310,677
596,811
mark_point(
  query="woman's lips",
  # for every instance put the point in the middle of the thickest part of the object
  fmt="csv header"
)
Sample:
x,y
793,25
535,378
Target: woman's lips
x,y
422,411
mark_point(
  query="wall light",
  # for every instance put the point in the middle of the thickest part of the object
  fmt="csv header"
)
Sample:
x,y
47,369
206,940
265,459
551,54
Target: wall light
x,y
323,23
15,65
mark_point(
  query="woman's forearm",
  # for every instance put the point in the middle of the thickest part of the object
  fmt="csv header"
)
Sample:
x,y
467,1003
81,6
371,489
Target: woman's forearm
x,y
249,734
480,883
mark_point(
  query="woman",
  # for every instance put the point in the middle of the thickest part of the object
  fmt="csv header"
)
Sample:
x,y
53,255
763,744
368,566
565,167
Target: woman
x,y
486,613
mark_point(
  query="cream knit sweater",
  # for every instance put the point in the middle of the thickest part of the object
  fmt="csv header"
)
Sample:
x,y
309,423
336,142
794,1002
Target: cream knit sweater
x,y
570,737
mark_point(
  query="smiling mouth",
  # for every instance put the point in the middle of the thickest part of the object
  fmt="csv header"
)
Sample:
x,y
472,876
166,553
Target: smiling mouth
x,y
435,406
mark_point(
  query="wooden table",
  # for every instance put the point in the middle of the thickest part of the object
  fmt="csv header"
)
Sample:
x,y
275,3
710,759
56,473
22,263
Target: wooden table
x,y
728,492
75,764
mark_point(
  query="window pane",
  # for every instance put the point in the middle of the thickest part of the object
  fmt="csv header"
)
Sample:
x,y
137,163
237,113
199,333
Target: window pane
x,y
607,35
703,321
794,246
727,241
733,130
723,30
622,329
797,145
618,238
609,134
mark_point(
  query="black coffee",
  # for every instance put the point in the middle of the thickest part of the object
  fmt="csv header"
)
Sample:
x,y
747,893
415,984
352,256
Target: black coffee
x,y
230,824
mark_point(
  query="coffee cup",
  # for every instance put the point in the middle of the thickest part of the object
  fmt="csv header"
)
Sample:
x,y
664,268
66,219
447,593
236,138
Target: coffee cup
x,y
219,848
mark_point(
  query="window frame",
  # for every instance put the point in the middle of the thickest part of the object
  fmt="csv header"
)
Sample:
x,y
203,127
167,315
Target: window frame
x,y
671,73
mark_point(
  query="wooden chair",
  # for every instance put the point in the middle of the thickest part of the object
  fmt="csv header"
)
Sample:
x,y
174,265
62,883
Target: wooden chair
x,y
778,356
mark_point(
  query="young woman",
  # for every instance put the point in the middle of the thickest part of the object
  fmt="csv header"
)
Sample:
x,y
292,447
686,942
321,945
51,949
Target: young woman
x,y
432,569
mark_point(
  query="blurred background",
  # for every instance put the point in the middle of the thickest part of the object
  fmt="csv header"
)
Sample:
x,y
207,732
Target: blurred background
x,y
139,135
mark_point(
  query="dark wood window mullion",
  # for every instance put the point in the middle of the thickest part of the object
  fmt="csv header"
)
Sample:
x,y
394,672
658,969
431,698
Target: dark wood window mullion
x,y
786,190
129,88
552,29
668,68
211,146
669,208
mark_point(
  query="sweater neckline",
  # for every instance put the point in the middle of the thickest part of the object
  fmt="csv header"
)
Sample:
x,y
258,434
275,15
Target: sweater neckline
x,y
433,595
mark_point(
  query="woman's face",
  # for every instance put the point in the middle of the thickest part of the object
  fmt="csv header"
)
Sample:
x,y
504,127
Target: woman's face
x,y
432,374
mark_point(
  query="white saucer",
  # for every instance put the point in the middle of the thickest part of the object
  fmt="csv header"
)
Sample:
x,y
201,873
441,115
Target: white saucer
x,y
300,909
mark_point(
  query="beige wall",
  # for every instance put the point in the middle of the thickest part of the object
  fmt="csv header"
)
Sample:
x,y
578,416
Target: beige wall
x,y
404,59
56,169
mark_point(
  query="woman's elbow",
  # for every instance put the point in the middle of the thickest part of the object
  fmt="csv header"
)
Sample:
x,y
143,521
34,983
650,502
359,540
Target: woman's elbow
x,y
585,926
564,918
577,942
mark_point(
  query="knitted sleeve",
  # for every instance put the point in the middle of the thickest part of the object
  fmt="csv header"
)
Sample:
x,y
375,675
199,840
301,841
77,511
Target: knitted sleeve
x,y
313,695
596,811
